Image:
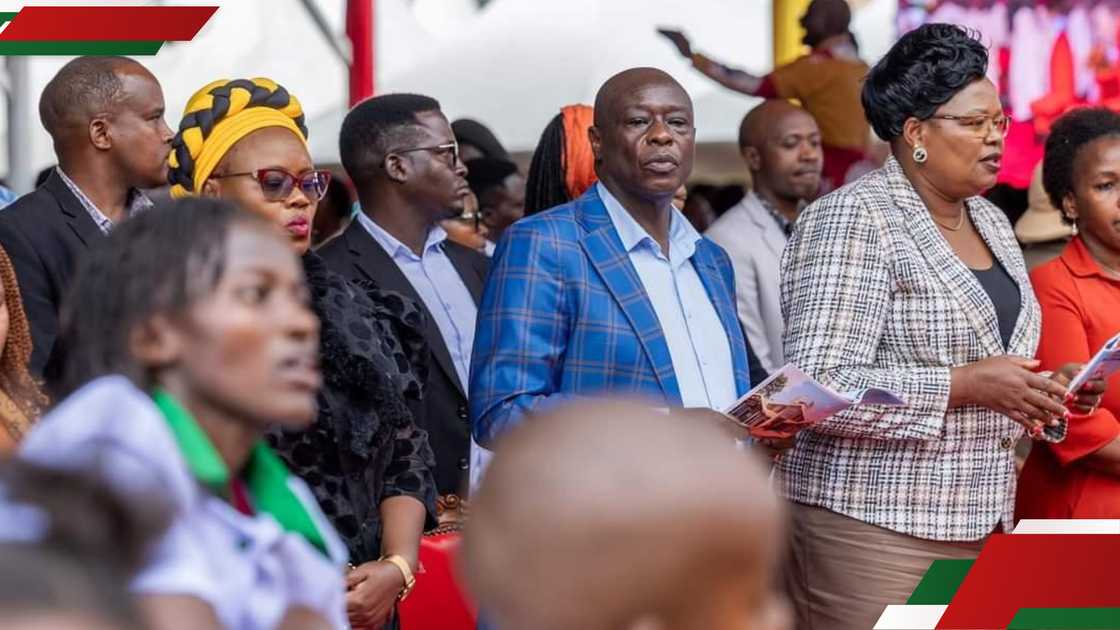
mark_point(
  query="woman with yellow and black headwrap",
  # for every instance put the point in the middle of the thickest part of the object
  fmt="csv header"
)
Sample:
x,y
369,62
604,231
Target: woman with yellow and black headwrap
x,y
366,460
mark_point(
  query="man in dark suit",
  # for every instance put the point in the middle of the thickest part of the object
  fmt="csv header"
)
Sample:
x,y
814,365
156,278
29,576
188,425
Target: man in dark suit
x,y
105,116
402,157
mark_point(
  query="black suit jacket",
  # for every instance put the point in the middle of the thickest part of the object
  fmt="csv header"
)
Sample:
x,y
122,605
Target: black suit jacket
x,y
44,233
443,411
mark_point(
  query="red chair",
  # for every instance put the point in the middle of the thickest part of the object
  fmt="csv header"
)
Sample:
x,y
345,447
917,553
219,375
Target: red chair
x,y
438,602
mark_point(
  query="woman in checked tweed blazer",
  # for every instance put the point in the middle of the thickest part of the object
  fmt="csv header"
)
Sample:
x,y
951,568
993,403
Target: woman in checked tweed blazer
x,y
908,280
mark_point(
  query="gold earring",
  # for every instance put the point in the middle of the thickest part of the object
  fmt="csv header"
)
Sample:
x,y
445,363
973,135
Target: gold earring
x,y
920,154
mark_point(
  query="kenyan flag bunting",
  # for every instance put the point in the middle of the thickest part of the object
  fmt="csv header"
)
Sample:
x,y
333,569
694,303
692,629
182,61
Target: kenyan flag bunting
x,y
98,30
1047,575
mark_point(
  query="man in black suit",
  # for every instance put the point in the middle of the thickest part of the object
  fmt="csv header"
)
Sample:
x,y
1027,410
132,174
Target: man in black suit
x,y
402,157
105,116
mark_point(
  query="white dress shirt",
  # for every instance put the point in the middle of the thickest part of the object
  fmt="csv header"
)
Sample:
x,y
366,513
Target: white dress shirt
x,y
448,300
698,344
439,285
137,202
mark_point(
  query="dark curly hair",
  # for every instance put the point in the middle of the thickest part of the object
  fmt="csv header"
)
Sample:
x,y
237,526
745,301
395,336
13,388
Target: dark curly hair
x,y
1069,134
921,72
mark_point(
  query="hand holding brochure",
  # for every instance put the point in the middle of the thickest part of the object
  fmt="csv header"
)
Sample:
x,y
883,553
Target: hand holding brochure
x,y
790,401
1103,365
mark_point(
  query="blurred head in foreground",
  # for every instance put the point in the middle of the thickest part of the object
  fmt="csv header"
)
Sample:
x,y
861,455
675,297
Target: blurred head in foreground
x,y
69,545
612,516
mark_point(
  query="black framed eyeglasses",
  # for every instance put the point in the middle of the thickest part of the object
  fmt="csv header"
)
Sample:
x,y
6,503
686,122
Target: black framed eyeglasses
x,y
450,148
277,184
981,124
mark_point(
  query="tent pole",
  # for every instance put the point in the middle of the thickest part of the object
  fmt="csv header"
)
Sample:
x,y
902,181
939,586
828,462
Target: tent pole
x,y
21,119
787,30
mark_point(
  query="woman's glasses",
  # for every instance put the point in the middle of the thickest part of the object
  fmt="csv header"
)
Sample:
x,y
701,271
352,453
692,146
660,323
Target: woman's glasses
x,y
980,125
277,184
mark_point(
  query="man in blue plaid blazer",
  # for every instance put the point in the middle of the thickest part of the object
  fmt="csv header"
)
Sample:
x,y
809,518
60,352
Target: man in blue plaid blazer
x,y
613,293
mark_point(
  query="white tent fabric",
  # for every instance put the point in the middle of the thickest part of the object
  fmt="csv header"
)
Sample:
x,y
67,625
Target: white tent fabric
x,y
510,65
515,63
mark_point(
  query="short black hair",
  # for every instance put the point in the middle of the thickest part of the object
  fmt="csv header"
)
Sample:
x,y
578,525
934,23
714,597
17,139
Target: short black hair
x,y
82,88
160,261
474,133
1068,136
921,72
484,174
373,126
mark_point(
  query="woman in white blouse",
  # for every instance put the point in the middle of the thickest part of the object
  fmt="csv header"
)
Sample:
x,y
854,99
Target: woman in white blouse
x,y
186,335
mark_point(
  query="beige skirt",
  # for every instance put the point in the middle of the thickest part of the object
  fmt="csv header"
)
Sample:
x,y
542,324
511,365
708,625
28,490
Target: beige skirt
x,y
841,573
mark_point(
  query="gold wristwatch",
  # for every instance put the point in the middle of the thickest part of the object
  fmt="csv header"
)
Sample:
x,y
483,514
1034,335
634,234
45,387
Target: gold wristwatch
x,y
406,571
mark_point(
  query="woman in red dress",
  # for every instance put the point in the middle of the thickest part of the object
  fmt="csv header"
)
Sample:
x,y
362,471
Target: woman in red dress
x,y
1080,297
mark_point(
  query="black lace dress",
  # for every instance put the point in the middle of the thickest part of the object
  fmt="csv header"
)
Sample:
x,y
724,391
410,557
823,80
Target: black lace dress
x,y
364,446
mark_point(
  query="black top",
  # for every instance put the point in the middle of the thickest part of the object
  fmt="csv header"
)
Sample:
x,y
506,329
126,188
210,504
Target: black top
x,y
364,446
443,412
1004,293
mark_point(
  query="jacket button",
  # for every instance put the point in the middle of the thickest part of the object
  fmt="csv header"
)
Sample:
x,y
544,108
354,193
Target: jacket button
x,y
462,412
463,463
1007,443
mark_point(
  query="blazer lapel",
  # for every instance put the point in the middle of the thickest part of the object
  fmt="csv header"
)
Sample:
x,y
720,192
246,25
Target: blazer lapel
x,y
771,234
374,263
76,215
1022,342
704,261
975,304
460,259
604,249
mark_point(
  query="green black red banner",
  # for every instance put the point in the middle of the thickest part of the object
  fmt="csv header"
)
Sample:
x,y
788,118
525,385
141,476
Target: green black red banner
x,y
98,30
1020,582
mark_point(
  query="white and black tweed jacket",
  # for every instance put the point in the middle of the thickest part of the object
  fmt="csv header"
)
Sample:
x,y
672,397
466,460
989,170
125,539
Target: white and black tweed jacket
x,y
873,295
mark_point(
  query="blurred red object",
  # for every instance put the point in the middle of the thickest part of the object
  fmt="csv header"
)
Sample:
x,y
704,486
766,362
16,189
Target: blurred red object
x,y
359,30
438,602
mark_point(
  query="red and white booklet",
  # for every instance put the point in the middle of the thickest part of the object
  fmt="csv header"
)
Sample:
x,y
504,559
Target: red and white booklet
x,y
790,400
1103,365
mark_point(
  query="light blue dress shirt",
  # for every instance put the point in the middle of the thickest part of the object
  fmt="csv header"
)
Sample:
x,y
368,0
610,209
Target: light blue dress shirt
x,y
441,288
698,344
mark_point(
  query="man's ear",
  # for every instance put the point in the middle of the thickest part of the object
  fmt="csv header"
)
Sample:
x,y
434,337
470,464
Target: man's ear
x,y
156,343
753,159
99,135
596,142
397,168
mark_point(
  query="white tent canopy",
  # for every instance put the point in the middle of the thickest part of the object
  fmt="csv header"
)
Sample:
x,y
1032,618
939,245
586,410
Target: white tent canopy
x,y
511,65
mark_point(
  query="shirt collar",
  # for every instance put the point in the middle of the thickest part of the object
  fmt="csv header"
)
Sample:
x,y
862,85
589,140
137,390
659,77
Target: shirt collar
x,y
682,236
392,244
136,202
1080,262
265,474
785,224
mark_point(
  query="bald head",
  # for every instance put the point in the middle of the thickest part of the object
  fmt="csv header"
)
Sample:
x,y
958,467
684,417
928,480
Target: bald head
x,y
781,144
620,89
84,88
590,517
764,119
643,138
